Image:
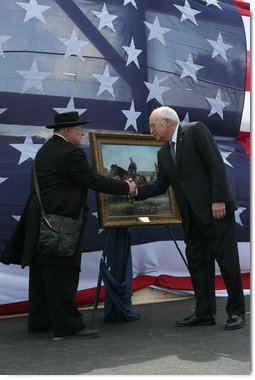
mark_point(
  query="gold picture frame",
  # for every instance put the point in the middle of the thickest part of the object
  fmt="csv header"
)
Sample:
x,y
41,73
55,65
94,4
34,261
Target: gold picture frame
x,y
111,153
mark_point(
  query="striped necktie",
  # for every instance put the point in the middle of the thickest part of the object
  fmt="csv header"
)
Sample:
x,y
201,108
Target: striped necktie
x,y
172,152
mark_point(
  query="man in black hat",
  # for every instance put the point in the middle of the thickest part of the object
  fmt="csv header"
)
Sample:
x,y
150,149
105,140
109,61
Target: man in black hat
x,y
132,168
64,177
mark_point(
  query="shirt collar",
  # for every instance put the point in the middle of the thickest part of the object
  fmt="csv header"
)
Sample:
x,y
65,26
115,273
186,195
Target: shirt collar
x,y
174,137
57,134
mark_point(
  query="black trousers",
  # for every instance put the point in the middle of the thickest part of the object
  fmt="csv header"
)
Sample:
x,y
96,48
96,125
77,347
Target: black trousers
x,y
206,243
52,299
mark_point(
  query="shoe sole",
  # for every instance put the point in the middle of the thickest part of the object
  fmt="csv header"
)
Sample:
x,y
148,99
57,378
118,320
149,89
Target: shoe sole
x,y
73,336
234,328
81,336
197,324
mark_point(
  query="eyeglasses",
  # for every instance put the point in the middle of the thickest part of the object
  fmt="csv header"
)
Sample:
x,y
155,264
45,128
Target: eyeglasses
x,y
151,126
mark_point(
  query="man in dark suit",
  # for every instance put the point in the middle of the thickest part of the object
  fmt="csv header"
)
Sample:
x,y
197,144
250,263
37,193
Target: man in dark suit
x,y
191,163
132,168
64,177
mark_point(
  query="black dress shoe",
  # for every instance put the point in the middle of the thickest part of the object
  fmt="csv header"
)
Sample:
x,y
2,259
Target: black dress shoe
x,y
235,322
84,333
196,320
39,331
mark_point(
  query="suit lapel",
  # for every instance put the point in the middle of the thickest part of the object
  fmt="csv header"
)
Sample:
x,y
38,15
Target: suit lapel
x,y
179,144
166,155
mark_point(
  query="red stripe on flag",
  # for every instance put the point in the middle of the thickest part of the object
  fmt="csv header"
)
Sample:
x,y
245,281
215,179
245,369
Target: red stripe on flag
x,y
184,283
248,65
244,138
87,297
243,7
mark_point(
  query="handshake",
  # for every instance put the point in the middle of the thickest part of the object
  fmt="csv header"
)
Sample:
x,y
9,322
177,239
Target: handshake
x,y
132,187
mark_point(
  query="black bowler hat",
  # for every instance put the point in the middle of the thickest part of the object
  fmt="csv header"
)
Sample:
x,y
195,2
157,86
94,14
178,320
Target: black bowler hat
x,y
67,119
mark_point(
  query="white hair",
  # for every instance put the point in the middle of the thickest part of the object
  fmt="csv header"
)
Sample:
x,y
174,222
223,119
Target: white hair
x,y
165,112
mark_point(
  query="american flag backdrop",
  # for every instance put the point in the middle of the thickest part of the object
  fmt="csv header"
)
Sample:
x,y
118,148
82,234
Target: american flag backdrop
x,y
114,61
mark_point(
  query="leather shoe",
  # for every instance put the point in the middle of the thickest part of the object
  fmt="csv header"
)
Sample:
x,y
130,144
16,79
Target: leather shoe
x,y
84,333
196,320
39,331
235,321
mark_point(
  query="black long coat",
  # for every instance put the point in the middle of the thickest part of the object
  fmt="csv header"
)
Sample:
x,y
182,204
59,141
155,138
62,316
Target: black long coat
x,y
64,177
199,178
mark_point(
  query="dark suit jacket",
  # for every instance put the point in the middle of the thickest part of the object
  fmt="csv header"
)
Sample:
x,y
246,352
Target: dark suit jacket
x,y
64,176
199,178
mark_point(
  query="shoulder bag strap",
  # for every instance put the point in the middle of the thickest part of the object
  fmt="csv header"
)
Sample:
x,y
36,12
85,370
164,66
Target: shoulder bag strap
x,y
37,188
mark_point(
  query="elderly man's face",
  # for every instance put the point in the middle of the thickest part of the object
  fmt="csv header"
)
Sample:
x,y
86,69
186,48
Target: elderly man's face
x,y
75,135
158,128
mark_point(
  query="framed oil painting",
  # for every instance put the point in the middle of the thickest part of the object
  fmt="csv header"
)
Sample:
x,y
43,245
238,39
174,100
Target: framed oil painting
x,y
123,155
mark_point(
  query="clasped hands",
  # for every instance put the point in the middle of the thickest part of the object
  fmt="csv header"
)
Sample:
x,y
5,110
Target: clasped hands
x,y
132,187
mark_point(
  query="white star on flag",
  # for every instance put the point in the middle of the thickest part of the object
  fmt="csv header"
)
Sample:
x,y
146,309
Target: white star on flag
x,y
238,212
106,81
130,1
74,45
186,119
95,214
2,110
132,53
131,115
225,156
33,78
3,39
105,18
187,12
33,9
2,179
189,68
16,217
217,105
28,149
219,48
212,2
156,31
70,108
156,90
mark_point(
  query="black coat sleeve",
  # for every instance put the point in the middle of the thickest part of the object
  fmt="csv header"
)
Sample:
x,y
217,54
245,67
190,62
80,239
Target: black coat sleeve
x,y
82,172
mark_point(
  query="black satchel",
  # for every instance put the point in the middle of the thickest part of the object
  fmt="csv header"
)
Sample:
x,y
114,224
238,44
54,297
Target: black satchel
x,y
59,235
